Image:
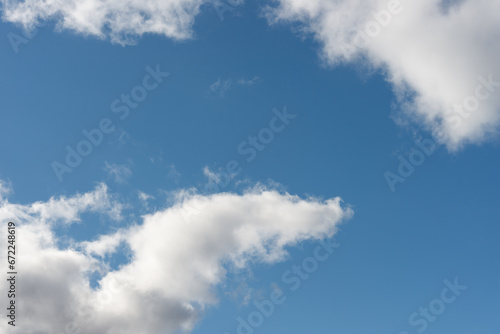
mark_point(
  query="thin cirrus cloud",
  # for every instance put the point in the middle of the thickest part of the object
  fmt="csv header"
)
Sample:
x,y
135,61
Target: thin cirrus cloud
x,y
176,261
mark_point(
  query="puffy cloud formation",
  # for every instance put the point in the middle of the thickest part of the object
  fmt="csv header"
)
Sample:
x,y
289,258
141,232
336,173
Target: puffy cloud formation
x,y
120,20
178,257
439,55
62,210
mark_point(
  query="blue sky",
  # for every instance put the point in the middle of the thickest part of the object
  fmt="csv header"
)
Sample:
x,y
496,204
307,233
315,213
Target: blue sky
x,y
351,122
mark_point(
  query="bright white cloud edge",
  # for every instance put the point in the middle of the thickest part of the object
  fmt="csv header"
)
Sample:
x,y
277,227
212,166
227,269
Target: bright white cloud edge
x,y
179,256
435,54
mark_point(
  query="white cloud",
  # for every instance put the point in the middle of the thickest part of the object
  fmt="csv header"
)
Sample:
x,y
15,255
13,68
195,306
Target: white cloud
x,y
175,264
173,173
431,51
5,189
121,21
64,210
220,87
248,82
105,245
120,173
145,197
213,177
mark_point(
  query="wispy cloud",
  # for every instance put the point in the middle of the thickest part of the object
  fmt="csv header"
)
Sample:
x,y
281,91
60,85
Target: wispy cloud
x,y
212,176
119,173
5,189
144,197
248,82
220,87
173,173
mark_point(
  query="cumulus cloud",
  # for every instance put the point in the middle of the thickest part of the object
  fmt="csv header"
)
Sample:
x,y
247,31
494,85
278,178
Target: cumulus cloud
x,y
435,53
49,273
121,21
104,245
64,210
176,261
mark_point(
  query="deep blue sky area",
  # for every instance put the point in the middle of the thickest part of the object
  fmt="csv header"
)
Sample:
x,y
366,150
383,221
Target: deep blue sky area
x,y
396,251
